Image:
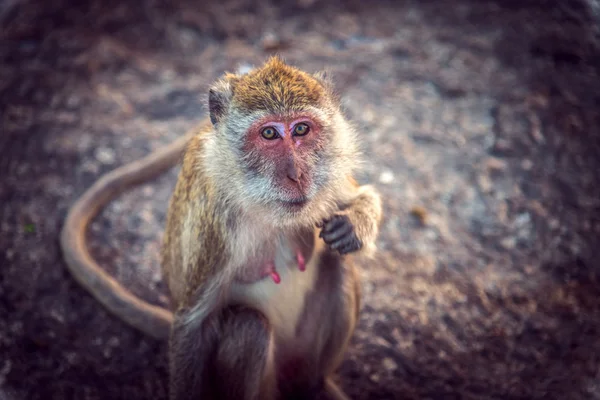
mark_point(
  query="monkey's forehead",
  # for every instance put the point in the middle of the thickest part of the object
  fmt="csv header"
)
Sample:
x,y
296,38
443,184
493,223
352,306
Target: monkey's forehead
x,y
277,89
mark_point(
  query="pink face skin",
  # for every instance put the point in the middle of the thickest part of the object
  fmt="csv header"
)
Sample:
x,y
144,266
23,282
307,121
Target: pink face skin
x,y
288,151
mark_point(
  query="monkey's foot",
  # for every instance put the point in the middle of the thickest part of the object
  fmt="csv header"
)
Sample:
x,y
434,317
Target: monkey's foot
x,y
301,261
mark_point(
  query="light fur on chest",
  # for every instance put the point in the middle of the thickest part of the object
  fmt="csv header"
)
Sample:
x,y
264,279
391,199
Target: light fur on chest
x,y
282,303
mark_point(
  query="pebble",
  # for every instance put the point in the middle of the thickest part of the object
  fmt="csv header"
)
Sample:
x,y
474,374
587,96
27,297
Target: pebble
x,y
105,155
386,177
527,164
270,41
495,164
484,183
389,364
509,243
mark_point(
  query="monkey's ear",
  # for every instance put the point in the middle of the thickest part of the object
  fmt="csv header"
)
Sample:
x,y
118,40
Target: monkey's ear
x,y
219,97
324,77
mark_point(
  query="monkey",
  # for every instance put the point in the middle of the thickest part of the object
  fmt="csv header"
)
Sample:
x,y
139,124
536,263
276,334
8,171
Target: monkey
x,y
260,230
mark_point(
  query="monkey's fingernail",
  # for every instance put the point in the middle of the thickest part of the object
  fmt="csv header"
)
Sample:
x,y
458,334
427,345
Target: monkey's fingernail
x,y
301,262
275,276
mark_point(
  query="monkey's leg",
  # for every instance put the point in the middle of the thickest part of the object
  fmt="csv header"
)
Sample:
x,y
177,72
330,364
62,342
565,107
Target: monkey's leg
x,y
229,356
344,315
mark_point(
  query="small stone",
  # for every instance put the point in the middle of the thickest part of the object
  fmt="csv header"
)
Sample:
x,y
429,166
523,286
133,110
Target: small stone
x,y
509,243
244,68
502,145
522,219
420,213
71,357
163,299
389,364
107,352
57,316
432,235
148,191
271,41
386,177
369,115
73,101
495,164
105,155
484,183
4,371
527,164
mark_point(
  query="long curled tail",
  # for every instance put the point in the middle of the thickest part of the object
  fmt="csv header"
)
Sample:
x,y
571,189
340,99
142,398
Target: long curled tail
x,y
152,320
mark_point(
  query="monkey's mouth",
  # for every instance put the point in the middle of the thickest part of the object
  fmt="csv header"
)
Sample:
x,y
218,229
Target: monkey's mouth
x,y
294,204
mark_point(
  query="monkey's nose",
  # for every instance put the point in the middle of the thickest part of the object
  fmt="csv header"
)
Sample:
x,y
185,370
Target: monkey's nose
x,y
293,173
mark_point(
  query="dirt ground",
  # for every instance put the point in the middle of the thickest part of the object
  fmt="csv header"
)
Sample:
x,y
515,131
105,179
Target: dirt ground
x,y
481,125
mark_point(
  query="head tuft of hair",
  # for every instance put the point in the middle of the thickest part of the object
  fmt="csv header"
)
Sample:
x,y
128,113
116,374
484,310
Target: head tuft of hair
x,y
277,87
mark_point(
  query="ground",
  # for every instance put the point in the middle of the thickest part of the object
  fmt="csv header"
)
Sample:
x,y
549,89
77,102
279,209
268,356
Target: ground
x,y
480,121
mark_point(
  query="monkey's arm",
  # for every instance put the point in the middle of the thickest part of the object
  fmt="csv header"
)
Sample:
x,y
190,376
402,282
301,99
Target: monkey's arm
x,y
356,226
154,321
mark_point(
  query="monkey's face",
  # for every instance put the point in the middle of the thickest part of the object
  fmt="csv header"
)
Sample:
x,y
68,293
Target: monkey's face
x,y
295,163
284,146
283,152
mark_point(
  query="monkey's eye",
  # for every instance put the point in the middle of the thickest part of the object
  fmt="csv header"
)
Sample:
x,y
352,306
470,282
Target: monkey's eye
x,y
301,129
269,133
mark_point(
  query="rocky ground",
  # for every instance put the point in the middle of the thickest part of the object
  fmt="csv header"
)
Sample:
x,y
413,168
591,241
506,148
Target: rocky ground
x,y
481,124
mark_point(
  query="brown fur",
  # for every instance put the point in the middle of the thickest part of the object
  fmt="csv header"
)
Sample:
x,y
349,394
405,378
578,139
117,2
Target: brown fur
x,y
276,87
193,196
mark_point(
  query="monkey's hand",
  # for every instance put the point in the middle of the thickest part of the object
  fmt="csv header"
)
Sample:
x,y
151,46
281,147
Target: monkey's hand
x,y
355,227
339,233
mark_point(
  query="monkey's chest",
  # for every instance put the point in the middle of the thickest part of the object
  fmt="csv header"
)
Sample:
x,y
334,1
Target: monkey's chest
x,y
278,285
281,299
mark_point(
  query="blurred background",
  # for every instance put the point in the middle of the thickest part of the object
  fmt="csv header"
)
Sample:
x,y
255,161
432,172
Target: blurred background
x,y
480,120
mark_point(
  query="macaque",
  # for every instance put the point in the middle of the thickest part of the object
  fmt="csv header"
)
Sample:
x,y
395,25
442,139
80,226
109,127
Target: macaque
x,y
260,228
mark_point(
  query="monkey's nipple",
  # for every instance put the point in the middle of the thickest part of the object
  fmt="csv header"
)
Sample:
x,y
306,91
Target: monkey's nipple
x,y
275,276
301,262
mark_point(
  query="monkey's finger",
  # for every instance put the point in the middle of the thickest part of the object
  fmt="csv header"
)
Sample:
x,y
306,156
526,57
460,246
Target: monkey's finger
x,y
346,241
351,247
333,224
337,234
